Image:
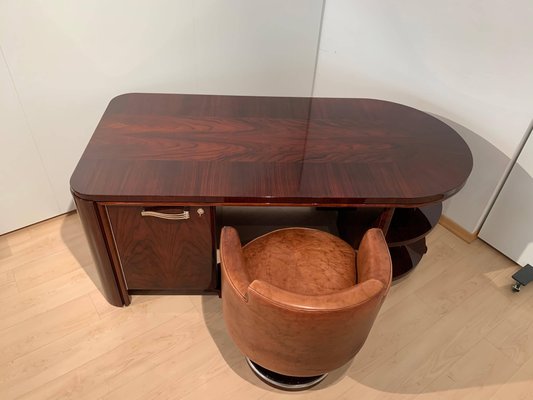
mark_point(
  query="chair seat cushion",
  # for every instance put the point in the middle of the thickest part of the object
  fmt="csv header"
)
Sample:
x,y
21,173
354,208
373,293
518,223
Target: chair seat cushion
x,y
301,260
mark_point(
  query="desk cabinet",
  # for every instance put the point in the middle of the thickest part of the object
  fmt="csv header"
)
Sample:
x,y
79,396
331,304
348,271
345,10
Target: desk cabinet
x,y
164,248
137,253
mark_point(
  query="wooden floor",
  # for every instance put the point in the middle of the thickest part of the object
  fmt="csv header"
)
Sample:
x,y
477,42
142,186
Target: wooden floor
x,y
451,330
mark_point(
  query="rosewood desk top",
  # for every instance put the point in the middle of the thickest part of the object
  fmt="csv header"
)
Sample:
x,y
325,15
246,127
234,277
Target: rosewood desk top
x,y
270,150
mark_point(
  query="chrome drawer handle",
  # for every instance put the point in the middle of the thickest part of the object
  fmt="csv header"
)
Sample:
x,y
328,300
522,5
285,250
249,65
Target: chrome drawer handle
x,y
183,215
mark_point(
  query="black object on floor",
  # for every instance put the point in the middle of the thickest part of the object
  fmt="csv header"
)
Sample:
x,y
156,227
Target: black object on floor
x,y
284,382
523,277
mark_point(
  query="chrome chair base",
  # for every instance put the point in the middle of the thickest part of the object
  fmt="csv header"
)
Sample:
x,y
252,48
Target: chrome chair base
x,y
284,382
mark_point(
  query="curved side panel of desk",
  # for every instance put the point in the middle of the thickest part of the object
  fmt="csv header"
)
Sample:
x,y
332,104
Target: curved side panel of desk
x,y
101,272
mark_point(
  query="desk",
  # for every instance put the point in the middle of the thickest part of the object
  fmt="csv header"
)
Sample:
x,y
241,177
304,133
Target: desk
x,y
366,162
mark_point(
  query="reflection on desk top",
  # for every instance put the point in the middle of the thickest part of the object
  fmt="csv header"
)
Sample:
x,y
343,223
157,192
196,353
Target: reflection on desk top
x,y
270,150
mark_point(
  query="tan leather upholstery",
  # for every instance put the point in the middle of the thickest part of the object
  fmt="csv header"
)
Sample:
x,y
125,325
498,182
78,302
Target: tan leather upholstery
x,y
290,298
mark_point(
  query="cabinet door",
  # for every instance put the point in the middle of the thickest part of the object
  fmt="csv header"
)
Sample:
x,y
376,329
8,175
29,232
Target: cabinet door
x,y
164,254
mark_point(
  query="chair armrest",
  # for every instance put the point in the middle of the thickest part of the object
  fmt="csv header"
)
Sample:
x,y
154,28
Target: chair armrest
x,y
232,261
373,258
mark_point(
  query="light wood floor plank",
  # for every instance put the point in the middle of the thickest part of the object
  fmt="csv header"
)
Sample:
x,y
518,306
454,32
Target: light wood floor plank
x,y
166,367
514,333
125,362
44,298
34,369
519,386
393,330
459,280
469,378
45,328
33,274
36,241
8,285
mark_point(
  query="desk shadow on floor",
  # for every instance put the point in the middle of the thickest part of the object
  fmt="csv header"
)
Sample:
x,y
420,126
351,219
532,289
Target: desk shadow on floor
x,y
74,238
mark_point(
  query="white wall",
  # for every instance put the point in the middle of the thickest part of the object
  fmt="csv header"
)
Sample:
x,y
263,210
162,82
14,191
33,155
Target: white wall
x,y
25,192
469,62
68,59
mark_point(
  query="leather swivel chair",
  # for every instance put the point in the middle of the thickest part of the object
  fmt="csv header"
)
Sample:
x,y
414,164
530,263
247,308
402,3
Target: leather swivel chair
x,y
300,302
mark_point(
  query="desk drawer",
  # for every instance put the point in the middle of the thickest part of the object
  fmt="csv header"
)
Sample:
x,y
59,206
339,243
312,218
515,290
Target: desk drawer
x,y
157,253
